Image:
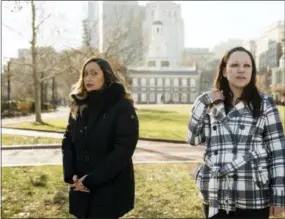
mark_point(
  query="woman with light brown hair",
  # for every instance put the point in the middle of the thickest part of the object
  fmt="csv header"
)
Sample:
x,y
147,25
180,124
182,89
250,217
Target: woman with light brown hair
x,y
98,144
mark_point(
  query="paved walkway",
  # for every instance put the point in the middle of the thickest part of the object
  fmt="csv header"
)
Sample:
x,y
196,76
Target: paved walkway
x,y
31,133
146,152
61,112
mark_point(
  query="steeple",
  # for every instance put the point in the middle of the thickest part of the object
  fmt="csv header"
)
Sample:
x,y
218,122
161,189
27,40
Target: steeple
x,y
157,16
157,52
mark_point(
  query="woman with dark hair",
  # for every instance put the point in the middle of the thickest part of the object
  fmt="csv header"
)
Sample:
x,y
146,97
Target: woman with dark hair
x,y
98,144
243,173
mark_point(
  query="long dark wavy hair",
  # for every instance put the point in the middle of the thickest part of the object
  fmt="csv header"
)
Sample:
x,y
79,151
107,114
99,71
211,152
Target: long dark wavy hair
x,y
250,95
80,92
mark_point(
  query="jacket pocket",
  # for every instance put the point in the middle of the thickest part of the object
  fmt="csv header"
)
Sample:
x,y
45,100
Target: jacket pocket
x,y
260,174
196,175
103,196
78,203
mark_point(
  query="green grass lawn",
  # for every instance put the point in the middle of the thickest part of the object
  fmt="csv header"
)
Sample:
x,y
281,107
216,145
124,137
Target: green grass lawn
x,y
156,121
162,191
8,139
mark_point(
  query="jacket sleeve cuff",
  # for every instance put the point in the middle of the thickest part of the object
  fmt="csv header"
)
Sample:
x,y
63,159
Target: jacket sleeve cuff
x,y
278,198
68,180
205,98
87,182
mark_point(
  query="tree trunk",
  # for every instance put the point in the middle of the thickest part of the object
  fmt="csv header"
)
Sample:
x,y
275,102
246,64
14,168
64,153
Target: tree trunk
x,y
37,87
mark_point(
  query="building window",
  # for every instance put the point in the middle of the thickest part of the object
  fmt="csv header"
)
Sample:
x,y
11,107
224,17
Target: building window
x,y
176,97
152,97
143,97
174,14
167,82
152,13
184,98
184,82
164,63
135,97
143,82
151,64
192,97
159,82
167,97
169,14
176,82
135,82
193,82
152,82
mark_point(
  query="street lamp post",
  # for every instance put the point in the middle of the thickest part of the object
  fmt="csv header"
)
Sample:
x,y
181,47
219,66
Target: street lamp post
x,y
9,87
53,92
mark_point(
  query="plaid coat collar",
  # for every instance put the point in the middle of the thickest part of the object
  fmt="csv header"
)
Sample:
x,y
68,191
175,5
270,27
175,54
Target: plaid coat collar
x,y
218,111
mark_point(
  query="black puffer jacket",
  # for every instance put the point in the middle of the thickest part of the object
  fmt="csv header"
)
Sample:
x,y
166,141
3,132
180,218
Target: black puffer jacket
x,y
100,143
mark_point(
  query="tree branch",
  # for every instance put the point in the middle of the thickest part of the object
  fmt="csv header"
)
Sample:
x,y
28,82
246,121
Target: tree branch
x,y
42,21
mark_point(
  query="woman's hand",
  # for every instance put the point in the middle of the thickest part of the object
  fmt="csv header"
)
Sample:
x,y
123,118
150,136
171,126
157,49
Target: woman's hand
x,y
276,211
217,95
77,185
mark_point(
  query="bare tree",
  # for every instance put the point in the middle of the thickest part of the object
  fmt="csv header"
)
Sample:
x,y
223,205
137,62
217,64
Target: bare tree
x,y
123,35
33,63
41,61
123,46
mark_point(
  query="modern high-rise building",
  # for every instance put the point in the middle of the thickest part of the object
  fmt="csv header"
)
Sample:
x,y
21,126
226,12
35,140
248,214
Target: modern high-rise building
x,y
274,34
91,28
220,49
116,28
250,45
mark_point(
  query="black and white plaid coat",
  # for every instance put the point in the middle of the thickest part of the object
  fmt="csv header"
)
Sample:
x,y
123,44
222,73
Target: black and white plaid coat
x,y
241,179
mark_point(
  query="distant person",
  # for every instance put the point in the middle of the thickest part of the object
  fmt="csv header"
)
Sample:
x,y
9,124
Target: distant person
x,y
243,174
98,144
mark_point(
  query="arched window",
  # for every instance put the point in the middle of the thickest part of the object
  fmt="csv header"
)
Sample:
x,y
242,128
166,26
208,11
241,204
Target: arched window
x,y
135,96
159,82
184,98
143,82
143,97
152,82
167,82
193,82
176,82
167,97
176,97
134,82
152,97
